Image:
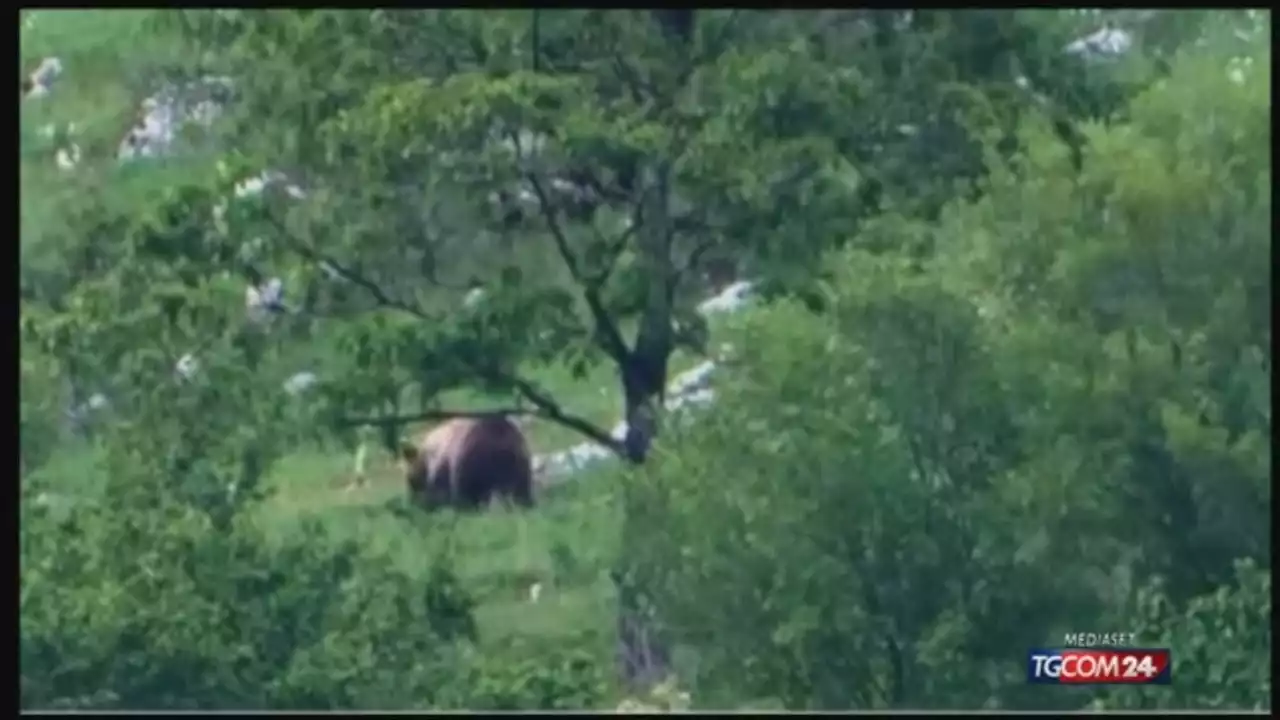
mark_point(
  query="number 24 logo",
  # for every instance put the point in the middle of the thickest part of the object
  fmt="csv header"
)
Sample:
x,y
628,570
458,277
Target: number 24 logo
x,y
1133,666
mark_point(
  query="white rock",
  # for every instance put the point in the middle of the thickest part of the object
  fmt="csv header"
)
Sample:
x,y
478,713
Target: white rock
x,y
692,379
205,112
68,157
255,185
80,414
473,297
187,366
731,298
164,112
298,383
43,76
1238,68
571,460
266,298
694,399
526,144
619,431
1107,41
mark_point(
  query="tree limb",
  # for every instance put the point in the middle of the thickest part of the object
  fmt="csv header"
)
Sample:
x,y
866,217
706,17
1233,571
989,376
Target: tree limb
x,y
606,331
641,90
614,248
546,406
549,409
695,256
345,273
384,420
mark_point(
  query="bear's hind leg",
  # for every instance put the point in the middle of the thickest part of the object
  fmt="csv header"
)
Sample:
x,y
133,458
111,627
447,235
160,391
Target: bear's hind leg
x,y
522,493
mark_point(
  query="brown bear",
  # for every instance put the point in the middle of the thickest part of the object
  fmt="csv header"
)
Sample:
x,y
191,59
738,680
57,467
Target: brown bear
x,y
466,462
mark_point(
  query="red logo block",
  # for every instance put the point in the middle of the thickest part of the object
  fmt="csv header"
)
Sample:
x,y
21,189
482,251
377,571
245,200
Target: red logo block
x,y
1101,666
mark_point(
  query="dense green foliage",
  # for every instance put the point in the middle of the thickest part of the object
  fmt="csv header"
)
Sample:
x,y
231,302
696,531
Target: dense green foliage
x,y
1010,377
1005,442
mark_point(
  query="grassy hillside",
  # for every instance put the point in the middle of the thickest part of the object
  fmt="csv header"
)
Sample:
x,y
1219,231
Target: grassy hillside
x,y
565,545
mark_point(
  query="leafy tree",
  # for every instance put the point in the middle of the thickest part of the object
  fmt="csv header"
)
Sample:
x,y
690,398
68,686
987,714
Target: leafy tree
x,y
1056,421
601,158
1222,641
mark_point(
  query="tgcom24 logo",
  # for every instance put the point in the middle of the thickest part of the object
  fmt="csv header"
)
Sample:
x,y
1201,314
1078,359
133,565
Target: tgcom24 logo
x,y
1100,666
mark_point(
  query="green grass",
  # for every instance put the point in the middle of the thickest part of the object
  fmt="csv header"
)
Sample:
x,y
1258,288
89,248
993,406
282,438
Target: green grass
x,y
565,544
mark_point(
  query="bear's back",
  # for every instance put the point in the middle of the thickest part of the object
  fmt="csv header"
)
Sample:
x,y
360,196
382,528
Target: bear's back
x,y
493,457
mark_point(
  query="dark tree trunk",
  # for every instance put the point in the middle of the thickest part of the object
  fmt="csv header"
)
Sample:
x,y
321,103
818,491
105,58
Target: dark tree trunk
x,y
643,657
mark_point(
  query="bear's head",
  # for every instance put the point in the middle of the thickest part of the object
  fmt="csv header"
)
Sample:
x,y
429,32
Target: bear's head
x,y
421,476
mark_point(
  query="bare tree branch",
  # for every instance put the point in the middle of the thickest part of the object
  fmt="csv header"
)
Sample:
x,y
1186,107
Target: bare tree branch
x,y
546,406
641,90
421,237
384,420
607,333
345,272
695,255
615,248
